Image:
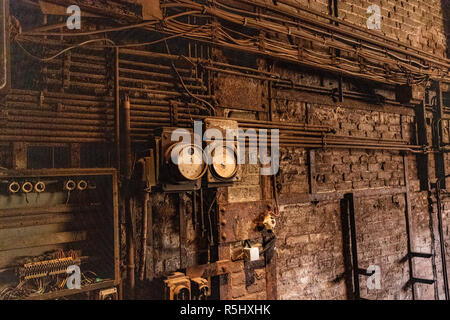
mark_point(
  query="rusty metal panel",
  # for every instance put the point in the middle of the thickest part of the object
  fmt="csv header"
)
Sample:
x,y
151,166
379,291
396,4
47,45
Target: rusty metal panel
x,y
114,8
51,8
239,221
35,224
151,9
239,93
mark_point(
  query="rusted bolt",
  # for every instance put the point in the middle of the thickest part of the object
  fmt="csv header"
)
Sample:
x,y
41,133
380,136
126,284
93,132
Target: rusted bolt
x,y
224,236
70,185
39,187
27,187
82,185
14,187
223,222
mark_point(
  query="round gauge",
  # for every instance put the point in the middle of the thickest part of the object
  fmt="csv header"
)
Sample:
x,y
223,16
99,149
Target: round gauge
x,y
224,162
189,160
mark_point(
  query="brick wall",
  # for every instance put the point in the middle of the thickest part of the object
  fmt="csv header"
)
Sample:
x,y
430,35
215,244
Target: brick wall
x,y
310,253
415,22
418,23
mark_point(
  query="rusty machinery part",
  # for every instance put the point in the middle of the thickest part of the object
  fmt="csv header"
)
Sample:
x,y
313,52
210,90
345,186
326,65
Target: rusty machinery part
x,y
27,187
70,185
269,221
46,268
39,187
200,289
224,164
82,185
14,187
177,287
190,164
108,294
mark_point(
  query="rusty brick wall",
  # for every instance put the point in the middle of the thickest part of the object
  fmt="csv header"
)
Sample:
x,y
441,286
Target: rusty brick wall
x,y
310,258
248,281
418,23
382,242
309,252
248,188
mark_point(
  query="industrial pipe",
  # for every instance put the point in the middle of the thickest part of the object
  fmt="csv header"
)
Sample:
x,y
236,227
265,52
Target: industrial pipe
x,y
127,172
442,239
146,215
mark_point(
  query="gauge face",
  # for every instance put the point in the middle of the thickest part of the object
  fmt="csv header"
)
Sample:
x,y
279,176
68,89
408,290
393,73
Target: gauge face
x,y
224,162
190,162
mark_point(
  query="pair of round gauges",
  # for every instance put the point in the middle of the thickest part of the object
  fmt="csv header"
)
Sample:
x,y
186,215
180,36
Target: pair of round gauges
x,y
190,164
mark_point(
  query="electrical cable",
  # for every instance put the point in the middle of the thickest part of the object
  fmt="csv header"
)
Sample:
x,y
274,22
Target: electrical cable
x,y
87,33
187,90
62,51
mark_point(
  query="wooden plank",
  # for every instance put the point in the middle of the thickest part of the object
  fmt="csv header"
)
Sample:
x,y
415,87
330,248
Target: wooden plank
x,y
69,292
21,222
42,240
12,258
271,273
44,210
35,230
58,172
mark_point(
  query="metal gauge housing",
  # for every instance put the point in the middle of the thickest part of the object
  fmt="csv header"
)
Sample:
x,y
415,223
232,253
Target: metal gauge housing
x,y
188,159
224,163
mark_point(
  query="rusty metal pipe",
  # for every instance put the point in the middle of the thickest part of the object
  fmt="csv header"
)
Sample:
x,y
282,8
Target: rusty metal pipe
x,y
127,168
158,84
50,133
146,215
151,66
156,75
26,138
60,95
117,107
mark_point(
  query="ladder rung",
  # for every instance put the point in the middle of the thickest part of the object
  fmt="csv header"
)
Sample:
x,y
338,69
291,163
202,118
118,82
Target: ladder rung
x,y
421,255
424,281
